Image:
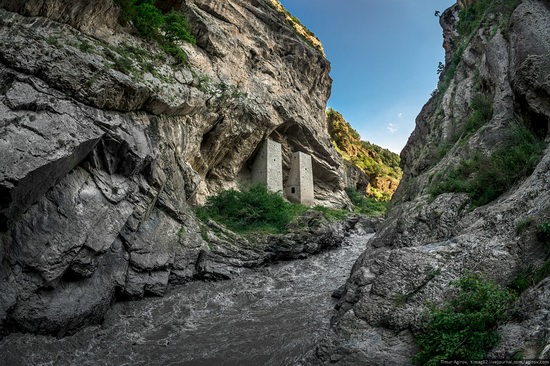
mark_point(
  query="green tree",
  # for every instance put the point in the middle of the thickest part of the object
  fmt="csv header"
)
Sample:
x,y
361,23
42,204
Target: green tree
x,y
176,28
148,19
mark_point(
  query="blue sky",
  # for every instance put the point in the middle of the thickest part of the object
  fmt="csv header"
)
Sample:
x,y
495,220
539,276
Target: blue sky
x,y
384,57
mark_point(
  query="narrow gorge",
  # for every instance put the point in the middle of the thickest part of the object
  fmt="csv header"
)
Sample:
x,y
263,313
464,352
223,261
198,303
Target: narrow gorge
x,y
107,141
474,198
110,140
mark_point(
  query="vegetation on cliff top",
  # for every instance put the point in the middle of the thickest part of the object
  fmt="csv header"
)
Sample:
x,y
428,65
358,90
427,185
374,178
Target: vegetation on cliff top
x,y
471,17
379,164
295,23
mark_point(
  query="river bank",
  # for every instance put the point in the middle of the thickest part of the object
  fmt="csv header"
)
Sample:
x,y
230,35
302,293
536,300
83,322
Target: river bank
x,y
272,315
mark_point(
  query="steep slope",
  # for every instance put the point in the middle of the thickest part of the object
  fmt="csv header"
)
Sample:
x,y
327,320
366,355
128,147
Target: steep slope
x,y
301,29
474,194
105,141
380,165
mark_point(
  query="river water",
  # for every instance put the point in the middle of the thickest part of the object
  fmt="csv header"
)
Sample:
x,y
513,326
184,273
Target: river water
x,y
267,316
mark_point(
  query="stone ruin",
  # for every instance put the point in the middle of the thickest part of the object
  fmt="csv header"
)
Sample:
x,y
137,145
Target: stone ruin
x,y
299,185
268,169
268,166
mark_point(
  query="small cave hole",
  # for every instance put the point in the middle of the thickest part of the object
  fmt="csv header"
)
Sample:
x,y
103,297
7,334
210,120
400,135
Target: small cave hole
x,y
3,223
71,276
539,124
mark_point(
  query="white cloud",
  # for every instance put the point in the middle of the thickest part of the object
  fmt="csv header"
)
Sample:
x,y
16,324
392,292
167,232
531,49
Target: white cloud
x,y
392,128
400,115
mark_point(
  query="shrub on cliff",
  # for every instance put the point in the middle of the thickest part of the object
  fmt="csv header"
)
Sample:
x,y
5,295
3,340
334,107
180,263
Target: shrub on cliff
x,y
176,28
147,19
482,112
465,327
486,177
166,29
470,16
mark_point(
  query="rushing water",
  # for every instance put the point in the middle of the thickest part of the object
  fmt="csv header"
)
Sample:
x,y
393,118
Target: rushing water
x,y
268,316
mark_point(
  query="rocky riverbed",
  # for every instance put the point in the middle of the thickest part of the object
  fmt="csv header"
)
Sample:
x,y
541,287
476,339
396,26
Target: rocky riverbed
x,y
268,316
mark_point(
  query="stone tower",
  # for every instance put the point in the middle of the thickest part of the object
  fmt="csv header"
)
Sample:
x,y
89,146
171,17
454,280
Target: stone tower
x,y
268,166
299,186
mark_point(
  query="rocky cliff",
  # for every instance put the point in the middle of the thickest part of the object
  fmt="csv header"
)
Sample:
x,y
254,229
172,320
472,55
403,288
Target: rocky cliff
x,y
105,141
475,191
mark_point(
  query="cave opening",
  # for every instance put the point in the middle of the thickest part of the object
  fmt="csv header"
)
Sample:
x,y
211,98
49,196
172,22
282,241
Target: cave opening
x,y
539,124
536,121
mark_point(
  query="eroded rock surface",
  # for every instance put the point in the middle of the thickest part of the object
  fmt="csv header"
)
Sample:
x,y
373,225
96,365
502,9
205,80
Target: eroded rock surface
x,y
427,242
105,142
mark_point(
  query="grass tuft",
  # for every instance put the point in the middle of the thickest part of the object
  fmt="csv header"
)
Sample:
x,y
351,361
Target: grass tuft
x,y
482,111
543,232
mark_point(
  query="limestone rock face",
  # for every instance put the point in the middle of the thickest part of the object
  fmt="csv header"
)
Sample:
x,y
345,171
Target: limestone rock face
x,y
92,17
105,142
356,178
448,23
428,241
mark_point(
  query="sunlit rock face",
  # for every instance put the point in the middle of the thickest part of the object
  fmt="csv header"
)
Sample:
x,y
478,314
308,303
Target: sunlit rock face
x,y
429,240
105,142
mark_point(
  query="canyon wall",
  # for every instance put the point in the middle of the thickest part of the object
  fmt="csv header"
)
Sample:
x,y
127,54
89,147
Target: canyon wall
x,y
106,141
435,233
